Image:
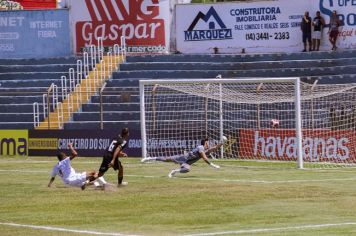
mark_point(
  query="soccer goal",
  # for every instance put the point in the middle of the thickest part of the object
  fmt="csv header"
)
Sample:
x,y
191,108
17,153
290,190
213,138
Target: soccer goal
x,y
274,119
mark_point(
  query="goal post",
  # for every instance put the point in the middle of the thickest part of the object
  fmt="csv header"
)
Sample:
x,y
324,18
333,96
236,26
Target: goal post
x,y
268,119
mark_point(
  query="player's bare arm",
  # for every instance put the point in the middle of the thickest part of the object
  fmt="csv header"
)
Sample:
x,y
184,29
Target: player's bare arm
x,y
205,158
212,149
114,156
72,151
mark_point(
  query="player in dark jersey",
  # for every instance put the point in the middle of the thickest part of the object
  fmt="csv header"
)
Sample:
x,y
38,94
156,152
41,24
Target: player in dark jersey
x,y
186,160
111,158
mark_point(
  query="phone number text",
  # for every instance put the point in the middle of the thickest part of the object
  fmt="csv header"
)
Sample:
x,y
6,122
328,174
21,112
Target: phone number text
x,y
267,36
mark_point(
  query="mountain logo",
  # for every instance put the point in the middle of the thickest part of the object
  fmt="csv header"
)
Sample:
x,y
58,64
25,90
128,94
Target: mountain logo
x,y
217,30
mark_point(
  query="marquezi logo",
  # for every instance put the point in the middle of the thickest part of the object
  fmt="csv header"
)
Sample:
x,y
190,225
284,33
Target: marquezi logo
x,y
213,33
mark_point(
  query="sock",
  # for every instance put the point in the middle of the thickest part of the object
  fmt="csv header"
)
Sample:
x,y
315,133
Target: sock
x,y
101,180
159,158
96,183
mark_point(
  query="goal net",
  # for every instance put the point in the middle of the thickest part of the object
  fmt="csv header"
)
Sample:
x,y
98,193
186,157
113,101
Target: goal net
x,y
275,119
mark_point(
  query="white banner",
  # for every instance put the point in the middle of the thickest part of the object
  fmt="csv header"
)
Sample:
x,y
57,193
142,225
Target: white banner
x,y
258,26
144,23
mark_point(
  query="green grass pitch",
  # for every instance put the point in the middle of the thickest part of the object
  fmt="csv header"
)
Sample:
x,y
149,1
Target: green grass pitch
x,y
241,198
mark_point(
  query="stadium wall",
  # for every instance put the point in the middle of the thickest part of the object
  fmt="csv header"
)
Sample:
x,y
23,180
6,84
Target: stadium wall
x,y
34,34
278,144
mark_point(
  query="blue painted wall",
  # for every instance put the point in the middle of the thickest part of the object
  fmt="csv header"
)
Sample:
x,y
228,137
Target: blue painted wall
x,y
34,34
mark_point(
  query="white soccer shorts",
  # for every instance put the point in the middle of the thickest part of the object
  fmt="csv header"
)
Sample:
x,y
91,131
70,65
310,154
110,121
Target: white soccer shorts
x,y
316,35
76,179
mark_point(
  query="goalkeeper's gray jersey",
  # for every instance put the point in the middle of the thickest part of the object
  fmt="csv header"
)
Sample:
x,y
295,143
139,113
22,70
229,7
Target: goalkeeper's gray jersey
x,y
190,157
193,156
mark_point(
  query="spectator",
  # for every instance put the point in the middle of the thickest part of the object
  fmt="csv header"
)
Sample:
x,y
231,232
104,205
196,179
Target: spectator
x,y
318,24
334,29
306,30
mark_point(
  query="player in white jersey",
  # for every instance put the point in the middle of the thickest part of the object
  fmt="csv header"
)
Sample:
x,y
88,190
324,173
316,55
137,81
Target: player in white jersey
x,y
64,169
186,160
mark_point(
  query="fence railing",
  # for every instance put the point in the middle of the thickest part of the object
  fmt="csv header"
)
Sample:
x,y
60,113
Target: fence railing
x,y
76,77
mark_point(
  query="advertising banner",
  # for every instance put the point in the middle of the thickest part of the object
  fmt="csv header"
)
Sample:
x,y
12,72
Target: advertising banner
x,y
346,11
91,143
34,34
258,26
37,4
13,142
280,144
145,24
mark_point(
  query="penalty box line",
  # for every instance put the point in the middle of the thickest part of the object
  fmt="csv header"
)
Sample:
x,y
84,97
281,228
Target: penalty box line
x,y
267,230
245,181
50,228
205,179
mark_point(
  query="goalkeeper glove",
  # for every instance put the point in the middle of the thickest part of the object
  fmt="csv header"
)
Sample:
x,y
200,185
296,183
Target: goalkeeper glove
x,y
215,166
223,140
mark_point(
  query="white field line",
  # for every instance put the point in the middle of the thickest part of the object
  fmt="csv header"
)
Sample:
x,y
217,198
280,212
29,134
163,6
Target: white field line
x,y
267,230
248,181
49,228
223,163
207,179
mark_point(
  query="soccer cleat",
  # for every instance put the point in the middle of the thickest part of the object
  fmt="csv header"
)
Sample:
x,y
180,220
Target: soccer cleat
x,y
170,175
84,185
146,159
122,184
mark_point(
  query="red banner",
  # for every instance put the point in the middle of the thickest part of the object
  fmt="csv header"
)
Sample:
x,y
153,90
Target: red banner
x,y
112,19
280,144
37,4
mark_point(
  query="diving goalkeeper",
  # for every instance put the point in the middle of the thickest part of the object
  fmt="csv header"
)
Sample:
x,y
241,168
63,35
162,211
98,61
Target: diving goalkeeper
x,y
188,159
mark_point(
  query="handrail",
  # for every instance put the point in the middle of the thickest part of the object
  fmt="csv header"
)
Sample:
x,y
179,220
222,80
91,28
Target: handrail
x,y
79,95
93,56
101,106
60,115
48,103
123,48
44,105
110,55
100,49
79,71
103,71
70,102
86,64
71,79
55,97
117,56
64,86
36,114
96,76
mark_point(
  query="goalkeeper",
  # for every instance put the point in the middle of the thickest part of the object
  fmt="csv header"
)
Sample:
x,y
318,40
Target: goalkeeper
x,y
188,159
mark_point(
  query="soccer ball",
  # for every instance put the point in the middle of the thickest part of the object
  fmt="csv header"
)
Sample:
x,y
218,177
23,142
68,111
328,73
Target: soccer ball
x,y
274,123
224,139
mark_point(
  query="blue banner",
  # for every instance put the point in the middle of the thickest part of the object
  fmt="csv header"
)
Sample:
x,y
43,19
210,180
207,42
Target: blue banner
x,y
34,34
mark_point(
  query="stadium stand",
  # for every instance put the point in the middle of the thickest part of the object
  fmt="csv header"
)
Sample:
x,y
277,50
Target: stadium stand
x,y
23,82
120,96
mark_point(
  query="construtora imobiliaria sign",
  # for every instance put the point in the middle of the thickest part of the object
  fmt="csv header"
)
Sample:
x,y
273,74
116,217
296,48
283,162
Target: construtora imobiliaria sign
x,y
144,23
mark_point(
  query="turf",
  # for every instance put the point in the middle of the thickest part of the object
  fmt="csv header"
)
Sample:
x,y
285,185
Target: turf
x,y
241,198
